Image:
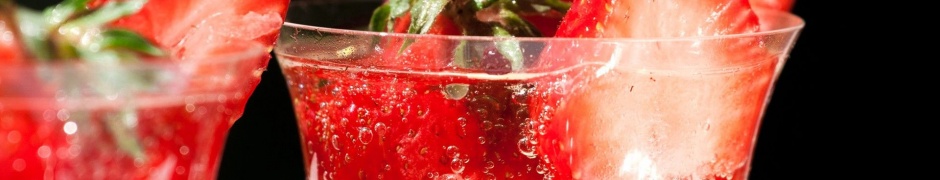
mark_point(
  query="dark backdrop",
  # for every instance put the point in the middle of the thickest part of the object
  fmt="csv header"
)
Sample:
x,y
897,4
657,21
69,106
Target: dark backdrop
x,y
792,142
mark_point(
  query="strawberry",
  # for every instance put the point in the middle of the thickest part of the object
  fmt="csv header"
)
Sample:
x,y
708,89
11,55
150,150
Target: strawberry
x,y
614,120
195,30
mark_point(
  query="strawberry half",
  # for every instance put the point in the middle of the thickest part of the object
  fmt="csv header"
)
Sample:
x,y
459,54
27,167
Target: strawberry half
x,y
635,115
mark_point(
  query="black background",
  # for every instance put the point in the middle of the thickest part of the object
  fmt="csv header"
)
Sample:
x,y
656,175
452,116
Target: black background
x,y
792,141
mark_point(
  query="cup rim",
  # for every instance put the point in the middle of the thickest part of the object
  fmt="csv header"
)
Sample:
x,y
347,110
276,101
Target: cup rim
x,y
250,49
245,52
796,25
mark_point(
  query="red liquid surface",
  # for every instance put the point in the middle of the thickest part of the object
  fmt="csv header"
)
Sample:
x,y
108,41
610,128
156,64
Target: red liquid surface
x,y
368,124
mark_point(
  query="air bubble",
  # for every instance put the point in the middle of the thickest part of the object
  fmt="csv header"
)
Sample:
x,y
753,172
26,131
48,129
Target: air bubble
x,y
547,113
335,142
404,109
363,113
365,135
184,150
487,125
381,128
525,148
456,91
462,121
457,165
463,126
490,176
407,92
542,129
452,151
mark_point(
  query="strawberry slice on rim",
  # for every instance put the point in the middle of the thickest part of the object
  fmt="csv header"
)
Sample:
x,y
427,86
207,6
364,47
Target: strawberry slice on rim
x,y
588,133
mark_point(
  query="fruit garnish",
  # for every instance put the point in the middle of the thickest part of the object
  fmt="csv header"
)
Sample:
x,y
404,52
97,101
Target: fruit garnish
x,y
603,99
498,18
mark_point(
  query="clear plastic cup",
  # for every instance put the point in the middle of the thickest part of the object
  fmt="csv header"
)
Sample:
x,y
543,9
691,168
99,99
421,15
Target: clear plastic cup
x,y
157,119
628,108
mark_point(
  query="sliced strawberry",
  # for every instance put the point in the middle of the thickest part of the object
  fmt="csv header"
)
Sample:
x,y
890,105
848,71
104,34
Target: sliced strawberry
x,y
629,117
196,32
190,28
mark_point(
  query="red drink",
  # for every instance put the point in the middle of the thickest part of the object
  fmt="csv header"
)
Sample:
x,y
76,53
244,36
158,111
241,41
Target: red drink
x,y
80,121
358,123
369,107
179,140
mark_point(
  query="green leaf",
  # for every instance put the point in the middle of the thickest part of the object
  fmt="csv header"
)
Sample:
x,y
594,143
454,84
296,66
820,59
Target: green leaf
x,y
518,26
380,17
558,5
461,55
397,8
423,15
34,33
480,4
123,39
107,13
124,137
65,10
509,48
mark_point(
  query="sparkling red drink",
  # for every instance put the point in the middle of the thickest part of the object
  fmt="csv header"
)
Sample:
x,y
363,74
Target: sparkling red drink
x,y
605,108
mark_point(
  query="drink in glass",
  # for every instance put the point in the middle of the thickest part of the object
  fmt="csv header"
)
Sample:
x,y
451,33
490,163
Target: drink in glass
x,y
89,121
380,105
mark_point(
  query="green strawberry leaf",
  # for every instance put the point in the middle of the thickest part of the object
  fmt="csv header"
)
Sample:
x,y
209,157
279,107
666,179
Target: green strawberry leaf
x,y
397,8
480,4
106,13
461,56
117,39
509,48
65,10
558,5
423,14
518,26
380,18
34,33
